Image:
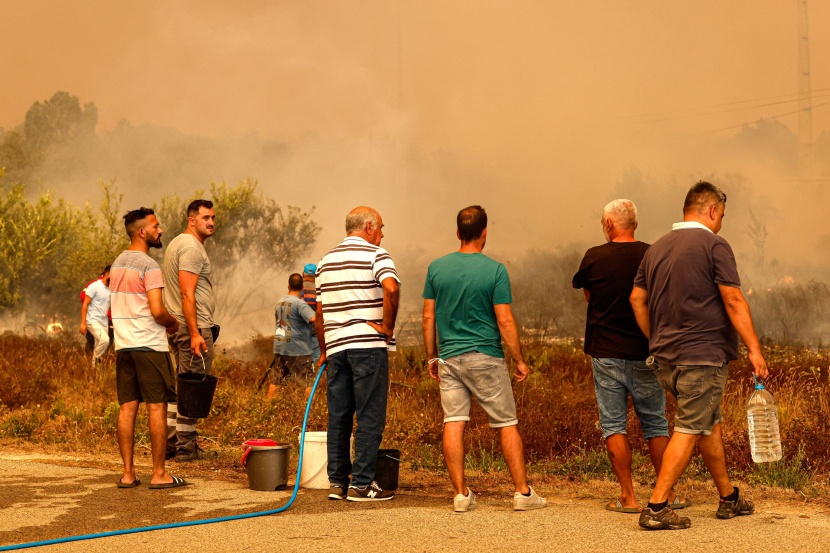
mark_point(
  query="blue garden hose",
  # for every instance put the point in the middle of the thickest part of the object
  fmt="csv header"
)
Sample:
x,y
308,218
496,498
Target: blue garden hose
x,y
191,522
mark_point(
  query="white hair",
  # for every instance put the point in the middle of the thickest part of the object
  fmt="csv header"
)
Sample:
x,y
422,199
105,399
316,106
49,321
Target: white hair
x,y
356,219
623,212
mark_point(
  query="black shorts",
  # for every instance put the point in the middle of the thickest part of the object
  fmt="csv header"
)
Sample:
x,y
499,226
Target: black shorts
x,y
144,376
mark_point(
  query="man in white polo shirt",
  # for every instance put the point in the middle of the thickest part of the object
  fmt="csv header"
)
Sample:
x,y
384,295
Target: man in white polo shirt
x,y
357,303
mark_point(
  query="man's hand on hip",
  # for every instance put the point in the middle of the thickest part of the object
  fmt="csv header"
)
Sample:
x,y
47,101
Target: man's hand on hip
x,y
388,332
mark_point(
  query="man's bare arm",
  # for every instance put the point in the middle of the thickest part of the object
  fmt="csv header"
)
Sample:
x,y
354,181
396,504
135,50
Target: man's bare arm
x,y
187,285
738,311
84,309
510,333
639,303
391,296
160,313
430,341
321,336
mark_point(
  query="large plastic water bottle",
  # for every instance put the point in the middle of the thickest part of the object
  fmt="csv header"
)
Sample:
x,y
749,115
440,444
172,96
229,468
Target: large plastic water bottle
x,y
762,415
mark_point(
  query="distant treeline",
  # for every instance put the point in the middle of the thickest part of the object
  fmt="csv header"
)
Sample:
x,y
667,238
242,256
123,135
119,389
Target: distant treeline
x,y
50,248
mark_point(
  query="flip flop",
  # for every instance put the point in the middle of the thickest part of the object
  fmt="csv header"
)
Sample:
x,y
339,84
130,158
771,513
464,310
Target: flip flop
x,y
617,507
677,504
133,484
176,483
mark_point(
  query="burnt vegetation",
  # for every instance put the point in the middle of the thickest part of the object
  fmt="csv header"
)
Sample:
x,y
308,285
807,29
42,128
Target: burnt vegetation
x,y
51,395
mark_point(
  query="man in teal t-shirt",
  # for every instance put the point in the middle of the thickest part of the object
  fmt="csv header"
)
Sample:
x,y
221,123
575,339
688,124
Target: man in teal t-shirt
x,y
467,296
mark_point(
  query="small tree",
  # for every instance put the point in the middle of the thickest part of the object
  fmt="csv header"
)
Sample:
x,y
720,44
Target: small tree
x,y
50,248
57,121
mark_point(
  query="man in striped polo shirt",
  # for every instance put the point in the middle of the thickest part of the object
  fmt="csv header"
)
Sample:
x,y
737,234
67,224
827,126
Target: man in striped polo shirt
x,y
357,303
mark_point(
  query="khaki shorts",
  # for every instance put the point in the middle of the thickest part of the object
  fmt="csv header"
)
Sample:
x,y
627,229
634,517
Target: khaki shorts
x,y
299,367
482,376
698,390
144,376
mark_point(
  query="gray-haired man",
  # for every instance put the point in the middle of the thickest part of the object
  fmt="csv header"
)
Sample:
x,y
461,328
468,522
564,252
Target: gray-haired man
x,y
618,349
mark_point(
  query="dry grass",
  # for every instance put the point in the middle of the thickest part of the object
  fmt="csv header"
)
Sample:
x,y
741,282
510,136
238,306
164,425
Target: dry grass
x,y
50,395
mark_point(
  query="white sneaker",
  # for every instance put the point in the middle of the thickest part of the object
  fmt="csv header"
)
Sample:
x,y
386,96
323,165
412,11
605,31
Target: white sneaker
x,y
522,502
463,503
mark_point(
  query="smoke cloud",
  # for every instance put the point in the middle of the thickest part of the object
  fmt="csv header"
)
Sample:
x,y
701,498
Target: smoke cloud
x,y
541,112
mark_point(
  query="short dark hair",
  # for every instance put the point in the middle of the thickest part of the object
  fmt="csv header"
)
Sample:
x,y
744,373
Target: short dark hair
x,y
193,208
702,195
295,282
132,218
106,269
471,223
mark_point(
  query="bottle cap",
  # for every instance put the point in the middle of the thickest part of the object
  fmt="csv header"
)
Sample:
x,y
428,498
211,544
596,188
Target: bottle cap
x,y
759,384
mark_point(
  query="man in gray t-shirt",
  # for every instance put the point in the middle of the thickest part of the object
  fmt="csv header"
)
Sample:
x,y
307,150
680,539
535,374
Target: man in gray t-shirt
x,y
188,295
687,300
293,337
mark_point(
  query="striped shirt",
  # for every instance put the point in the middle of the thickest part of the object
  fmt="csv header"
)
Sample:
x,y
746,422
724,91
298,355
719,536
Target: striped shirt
x,y
349,288
309,293
133,273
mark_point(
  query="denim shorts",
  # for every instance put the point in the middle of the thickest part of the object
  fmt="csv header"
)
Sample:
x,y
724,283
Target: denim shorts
x,y
614,380
698,390
482,376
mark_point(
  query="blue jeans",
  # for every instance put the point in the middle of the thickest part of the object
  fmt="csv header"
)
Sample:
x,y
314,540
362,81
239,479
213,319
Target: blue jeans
x,y
358,383
614,380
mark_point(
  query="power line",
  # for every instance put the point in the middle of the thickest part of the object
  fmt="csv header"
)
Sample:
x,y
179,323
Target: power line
x,y
684,113
744,124
733,110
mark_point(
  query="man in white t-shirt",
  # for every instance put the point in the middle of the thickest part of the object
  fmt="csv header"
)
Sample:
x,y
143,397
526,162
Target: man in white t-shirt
x,y
94,314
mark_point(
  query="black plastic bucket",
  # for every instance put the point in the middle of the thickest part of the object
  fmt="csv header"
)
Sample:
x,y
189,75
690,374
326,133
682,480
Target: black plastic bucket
x,y
389,464
195,393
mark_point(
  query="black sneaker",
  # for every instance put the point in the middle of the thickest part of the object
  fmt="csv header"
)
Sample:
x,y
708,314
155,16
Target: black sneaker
x,y
197,454
338,492
371,492
732,509
665,519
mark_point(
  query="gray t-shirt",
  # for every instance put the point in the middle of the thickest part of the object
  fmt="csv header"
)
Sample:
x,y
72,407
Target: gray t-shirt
x,y
187,253
688,322
293,335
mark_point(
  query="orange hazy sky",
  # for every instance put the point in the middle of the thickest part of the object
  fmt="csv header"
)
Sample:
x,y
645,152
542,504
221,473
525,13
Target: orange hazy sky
x,y
452,73
499,102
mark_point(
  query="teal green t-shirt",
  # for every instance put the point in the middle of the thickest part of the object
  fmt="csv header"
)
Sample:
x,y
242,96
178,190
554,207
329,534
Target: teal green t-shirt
x,y
465,286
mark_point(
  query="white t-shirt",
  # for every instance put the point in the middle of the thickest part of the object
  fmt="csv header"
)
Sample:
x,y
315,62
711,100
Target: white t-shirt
x,y
99,304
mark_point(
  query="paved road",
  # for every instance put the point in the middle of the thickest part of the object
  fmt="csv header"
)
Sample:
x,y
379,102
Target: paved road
x,y
41,500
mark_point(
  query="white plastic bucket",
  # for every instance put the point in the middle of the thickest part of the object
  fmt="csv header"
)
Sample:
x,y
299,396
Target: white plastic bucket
x,y
314,474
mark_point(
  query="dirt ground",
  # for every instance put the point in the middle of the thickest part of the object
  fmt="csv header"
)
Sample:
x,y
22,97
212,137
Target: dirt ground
x,y
52,495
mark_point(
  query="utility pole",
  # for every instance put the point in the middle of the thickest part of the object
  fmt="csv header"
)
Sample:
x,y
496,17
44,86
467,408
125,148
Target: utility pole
x,y
805,110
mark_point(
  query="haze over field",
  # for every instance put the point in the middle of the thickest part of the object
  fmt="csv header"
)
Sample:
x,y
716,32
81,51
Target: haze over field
x,y
540,111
